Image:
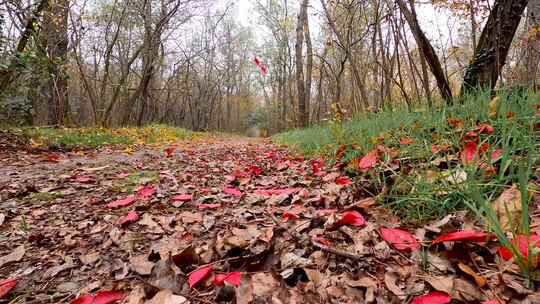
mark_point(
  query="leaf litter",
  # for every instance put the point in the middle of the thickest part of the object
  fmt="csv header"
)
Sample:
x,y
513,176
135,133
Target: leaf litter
x,y
227,220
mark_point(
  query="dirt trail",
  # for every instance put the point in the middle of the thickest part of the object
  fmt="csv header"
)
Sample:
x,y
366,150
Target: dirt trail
x,y
141,222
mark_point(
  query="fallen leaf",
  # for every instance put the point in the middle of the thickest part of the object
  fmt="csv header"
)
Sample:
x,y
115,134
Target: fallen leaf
x,y
167,297
522,243
496,155
400,239
182,198
343,180
367,162
405,141
484,128
469,153
6,286
232,191
146,192
141,265
233,278
15,256
439,148
369,284
480,280
464,235
198,275
507,207
122,202
169,150
441,283
434,297
353,218
131,217
101,297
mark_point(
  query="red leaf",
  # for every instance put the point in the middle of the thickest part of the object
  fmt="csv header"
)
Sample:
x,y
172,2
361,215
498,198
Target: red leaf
x,y
52,157
522,242
434,297
496,154
270,192
232,191
484,128
146,192
471,135
198,275
491,302
132,216
255,170
208,206
169,150
343,180
122,202
83,179
353,218
290,216
182,198
368,161
233,278
468,154
465,235
101,297
484,147
322,240
405,141
439,148
6,286
400,239
260,65
317,165
455,122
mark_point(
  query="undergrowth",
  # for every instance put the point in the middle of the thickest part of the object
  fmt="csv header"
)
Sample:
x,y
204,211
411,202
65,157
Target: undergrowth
x,y
413,180
81,138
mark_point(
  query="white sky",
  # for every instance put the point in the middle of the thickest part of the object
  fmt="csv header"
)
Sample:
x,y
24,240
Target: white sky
x,y
437,24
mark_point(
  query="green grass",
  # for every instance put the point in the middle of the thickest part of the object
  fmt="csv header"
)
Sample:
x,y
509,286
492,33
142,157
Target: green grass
x,y
413,185
82,138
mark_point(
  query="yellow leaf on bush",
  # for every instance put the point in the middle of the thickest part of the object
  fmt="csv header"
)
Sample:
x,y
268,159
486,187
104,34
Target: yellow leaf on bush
x,y
493,106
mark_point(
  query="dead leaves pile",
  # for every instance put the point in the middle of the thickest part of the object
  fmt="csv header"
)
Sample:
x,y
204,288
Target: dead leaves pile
x,y
228,221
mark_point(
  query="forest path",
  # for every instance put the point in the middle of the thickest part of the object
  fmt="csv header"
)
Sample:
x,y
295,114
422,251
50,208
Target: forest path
x,y
188,216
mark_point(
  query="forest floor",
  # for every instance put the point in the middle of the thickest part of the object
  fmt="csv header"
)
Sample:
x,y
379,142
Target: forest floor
x,y
218,219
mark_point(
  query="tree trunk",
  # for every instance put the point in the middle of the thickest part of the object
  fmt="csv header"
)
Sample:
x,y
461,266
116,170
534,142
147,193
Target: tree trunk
x,y
532,49
493,45
55,91
300,84
426,49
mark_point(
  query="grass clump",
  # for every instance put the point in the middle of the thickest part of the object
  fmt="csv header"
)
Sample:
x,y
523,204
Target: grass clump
x,y
421,172
83,138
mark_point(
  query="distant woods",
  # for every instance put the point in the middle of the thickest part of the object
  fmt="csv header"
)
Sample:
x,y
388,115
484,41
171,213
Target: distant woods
x,y
190,63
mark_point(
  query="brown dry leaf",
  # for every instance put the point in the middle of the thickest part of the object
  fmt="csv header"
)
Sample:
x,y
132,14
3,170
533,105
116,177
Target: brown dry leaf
x,y
53,271
264,284
508,208
141,265
151,224
465,291
369,284
167,297
480,280
90,258
15,256
136,296
390,280
190,217
164,277
441,283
